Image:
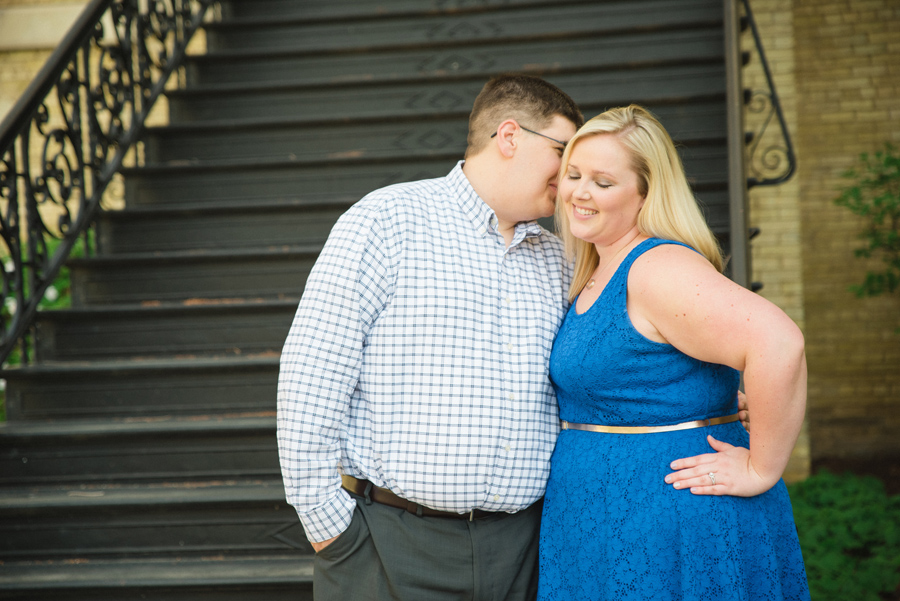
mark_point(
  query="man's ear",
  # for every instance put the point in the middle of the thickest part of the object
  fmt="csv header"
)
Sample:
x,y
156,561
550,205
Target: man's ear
x,y
505,137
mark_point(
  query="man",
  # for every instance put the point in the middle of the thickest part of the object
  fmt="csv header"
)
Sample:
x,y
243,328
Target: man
x,y
416,368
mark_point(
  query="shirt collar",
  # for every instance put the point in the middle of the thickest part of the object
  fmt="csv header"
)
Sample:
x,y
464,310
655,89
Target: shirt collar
x,y
479,213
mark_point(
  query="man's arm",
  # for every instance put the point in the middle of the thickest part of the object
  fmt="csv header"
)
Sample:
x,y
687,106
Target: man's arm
x,y
320,368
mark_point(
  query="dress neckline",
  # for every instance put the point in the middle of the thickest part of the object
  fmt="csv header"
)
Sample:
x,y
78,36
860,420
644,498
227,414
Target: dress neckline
x,y
628,260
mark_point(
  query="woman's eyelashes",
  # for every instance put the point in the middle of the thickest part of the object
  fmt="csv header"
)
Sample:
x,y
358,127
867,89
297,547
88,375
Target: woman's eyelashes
x,y
599,184
575,176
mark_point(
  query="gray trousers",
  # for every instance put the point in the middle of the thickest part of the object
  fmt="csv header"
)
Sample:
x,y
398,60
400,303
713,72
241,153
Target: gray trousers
x,y
391,554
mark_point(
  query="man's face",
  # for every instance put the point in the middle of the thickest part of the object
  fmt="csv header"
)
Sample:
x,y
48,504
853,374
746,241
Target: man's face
x,y
536,168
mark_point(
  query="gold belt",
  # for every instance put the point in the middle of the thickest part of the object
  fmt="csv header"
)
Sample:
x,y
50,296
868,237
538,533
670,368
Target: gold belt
x,y
698,423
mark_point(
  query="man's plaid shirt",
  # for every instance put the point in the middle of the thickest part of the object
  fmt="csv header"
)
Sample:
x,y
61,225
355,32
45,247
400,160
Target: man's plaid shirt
x,y
418,358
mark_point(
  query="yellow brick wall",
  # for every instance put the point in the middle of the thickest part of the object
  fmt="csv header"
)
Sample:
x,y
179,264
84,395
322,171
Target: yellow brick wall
x,y
19,65
847,73
17,69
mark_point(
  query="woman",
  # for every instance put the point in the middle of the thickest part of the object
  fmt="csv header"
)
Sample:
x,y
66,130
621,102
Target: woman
x,y
646,367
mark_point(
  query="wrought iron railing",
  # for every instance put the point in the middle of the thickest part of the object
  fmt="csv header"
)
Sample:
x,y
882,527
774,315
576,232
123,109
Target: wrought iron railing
x,y
69,134
770,157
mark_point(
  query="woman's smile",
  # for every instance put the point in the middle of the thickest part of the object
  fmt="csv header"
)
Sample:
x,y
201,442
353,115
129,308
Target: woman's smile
x,y
585,212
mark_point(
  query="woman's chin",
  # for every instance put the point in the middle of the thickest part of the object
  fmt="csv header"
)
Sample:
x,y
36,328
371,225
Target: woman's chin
x,y
581,235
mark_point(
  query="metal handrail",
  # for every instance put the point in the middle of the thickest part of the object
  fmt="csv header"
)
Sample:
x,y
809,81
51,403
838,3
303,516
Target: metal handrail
x,y
758,101
70,132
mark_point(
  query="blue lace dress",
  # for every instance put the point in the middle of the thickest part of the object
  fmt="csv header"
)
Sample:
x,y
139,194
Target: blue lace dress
x,y
612,528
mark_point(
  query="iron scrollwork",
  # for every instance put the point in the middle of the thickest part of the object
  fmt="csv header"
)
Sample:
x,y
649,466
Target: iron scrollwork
x,y
771,158
65,139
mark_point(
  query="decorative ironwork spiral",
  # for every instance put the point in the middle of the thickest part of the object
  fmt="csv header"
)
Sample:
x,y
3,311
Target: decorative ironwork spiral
x,y
770,163
766,160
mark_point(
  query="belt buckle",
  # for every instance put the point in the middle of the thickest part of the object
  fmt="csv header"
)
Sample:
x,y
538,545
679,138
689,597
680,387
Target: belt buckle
x,y
472,515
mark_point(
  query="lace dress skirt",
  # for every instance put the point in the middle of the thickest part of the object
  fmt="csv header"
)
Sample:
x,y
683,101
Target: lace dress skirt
x,y
613,529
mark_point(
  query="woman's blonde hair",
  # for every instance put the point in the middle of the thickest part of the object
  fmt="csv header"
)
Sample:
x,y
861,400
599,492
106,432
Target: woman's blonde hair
x,y
670,209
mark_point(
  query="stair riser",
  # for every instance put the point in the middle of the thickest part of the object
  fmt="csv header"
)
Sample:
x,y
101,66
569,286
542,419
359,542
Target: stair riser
x,y
131,393
333,182
425,99
370,141
304,144
527,22
124,232
348,183
193,333
120,591
139,457
265,278
594,91
554,56
316,9
86,531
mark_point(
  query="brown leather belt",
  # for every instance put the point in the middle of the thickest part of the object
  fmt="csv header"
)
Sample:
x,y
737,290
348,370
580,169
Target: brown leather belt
x,y
366,489
699,423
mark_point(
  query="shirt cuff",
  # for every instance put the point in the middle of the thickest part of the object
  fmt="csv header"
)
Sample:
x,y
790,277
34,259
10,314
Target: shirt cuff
x,y
329,520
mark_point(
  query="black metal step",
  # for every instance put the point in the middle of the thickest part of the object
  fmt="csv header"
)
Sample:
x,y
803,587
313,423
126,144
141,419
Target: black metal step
x,y
201,329
594,91
347,180
316,10
186,519
561,20
246,183
541,57
163,448
302,141
178,277
213,578
210,227
142,388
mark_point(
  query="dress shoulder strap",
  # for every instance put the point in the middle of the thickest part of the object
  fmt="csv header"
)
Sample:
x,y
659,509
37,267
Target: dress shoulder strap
x,y
619,282
643,247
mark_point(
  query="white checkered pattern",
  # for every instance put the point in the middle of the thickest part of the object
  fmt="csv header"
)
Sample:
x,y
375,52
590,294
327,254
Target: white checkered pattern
x,y
418,358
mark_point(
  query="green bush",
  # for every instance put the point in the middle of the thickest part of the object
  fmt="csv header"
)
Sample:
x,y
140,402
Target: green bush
x,y
873,193
849,532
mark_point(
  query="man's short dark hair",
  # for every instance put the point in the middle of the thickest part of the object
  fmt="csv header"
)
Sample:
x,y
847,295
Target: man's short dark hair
x,y
526,98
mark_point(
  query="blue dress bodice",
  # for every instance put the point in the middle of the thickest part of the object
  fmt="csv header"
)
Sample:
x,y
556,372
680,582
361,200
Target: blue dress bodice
x,y
606,372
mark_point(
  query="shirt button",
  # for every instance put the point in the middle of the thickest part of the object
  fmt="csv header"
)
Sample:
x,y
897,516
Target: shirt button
x,y
511,396
507,300
496,497
509,345
507,448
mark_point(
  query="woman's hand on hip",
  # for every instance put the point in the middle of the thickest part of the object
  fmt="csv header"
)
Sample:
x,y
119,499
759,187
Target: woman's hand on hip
x,y
728,471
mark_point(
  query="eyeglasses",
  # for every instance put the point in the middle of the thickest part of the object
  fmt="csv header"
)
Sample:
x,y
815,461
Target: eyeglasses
x,y
531,131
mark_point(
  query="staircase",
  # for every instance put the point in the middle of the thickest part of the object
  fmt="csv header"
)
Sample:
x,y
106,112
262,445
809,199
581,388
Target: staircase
x,y
139,460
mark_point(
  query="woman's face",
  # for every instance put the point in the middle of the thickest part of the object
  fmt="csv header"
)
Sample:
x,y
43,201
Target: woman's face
x,y
600,190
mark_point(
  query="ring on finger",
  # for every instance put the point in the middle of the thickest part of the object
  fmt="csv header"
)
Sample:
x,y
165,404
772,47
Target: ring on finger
x,y
712,478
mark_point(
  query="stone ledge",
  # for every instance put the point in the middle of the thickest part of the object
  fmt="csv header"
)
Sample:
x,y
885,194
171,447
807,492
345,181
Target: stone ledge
x,y
36,27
